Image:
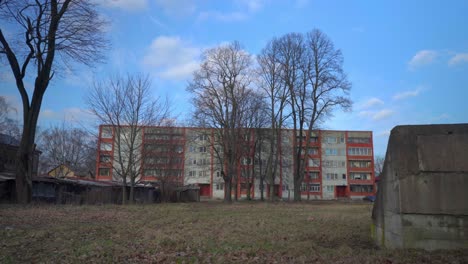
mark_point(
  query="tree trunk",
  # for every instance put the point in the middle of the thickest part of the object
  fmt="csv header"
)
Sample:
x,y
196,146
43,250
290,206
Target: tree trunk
x,y
131,198
297,189
262,187
272,191
124,191
227,191
248,189
25,154
23,176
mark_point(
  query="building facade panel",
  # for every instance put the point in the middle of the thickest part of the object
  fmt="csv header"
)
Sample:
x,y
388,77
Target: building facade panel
x,y
338,163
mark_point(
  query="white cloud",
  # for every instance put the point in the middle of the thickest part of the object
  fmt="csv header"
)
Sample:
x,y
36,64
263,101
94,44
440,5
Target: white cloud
x,y
47,113
71,114
172,58
177,7
382,114
251,5
371,103
377,115
15,106
365,113
458,59
440,118
407,94
223,17
245,8
422,57
128,5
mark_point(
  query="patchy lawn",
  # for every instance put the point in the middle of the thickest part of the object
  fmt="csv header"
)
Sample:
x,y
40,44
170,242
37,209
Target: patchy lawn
x,y
247,232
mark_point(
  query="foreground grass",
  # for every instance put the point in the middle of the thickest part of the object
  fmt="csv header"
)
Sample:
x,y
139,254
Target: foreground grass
x,y
324,232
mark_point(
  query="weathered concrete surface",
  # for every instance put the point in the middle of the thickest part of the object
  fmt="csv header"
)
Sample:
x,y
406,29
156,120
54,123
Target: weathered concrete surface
x,y
422,200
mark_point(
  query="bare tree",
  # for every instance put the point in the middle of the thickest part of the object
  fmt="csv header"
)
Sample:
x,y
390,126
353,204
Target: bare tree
x,y
48,34
126,106
379,161
254,121
66,145
163,157
312,71
270,72
220,88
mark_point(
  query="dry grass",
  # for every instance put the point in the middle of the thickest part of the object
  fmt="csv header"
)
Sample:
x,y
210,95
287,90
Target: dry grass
x,y
213,232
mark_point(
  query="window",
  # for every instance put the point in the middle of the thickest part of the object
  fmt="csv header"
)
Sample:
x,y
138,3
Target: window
x,y
246,161
332,176
104,158
313,175
344,176
106,132
202,162
314,187
362,140
149,172
359,164
179,149
104,172
192,149
220,186
313,139
331,152
330,188
312,151
314,162
176,161
192,173
360,176
360,151
202,173
106,146
303,187
218,174
361,188
202,149
330,140
203,137
298,138
193,161
334,163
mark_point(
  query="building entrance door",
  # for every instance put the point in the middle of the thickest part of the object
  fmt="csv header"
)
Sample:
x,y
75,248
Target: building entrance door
x,y
204,190
340,191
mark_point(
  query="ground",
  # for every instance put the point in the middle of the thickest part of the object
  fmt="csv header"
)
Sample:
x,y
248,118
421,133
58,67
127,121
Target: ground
x,y
213,232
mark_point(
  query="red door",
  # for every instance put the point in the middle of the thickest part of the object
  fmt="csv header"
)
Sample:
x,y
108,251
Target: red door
x,y
340,191
204,190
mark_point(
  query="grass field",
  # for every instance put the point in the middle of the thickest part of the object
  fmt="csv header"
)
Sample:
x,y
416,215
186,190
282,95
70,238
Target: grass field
x,y
213,232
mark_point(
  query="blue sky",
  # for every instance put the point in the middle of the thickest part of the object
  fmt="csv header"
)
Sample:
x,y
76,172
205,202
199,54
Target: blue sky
x,y
407,60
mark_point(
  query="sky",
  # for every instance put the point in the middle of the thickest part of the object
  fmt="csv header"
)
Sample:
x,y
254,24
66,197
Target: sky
x,y
407,60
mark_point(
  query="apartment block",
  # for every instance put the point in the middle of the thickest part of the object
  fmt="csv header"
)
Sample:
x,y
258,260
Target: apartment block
x,y
337,163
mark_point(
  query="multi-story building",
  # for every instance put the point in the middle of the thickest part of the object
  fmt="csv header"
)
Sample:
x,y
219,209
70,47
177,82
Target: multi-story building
x,y
338,163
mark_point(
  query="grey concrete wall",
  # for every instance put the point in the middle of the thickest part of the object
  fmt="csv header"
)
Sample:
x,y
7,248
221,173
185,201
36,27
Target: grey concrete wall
x,y
422,201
